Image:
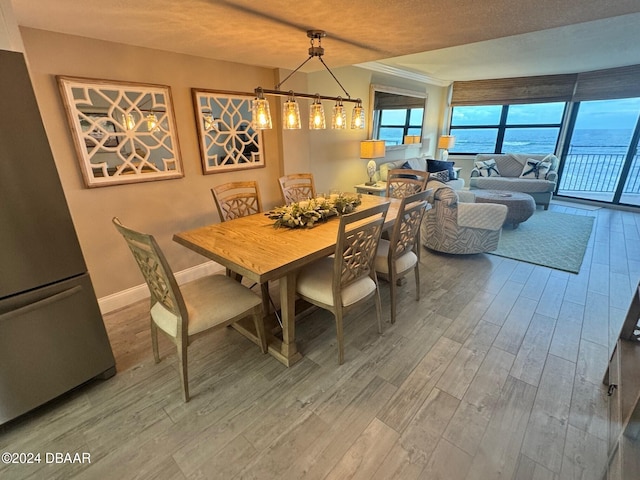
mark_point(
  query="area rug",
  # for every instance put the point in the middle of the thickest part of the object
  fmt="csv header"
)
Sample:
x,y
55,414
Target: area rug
x,y
552,239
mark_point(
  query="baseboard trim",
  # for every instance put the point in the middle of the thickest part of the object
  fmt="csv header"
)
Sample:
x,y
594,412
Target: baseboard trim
x,y
131,295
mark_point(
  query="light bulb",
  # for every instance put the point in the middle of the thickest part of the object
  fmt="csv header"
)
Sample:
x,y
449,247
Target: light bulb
x,y
291,114
261,115
316,115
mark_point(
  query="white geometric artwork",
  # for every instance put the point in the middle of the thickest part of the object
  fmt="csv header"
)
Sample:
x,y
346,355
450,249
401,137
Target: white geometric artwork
x,y
228,140
123,132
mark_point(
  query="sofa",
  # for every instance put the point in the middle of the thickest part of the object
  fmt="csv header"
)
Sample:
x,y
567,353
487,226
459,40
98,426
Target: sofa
x,y
420,164
535,175
455,224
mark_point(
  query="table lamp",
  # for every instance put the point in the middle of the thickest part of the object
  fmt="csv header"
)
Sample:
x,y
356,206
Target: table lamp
x,y
370,149
445,143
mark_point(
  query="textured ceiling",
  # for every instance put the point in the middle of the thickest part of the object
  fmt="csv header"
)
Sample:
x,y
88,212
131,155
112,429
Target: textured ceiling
x,y
272,33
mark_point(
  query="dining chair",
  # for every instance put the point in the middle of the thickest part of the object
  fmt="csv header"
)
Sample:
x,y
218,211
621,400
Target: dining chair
x,y
401,253
296,187
237,199
347,279
208,303
403,181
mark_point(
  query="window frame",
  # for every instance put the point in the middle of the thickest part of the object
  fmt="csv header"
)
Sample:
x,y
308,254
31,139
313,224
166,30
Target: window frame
x,y
378,125
502,126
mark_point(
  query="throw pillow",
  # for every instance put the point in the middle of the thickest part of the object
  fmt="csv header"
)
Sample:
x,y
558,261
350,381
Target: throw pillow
x,y
535,169
488,168
406,166
434,166
442,176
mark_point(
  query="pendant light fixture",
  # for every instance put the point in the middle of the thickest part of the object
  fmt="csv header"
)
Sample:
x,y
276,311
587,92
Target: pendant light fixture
x,y
128,121
316,115
291,113
260,113
260,107
152,123
357,117
339,117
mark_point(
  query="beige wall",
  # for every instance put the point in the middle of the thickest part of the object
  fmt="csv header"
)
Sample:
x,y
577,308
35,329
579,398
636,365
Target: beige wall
x,y
165,207
336,162
162,207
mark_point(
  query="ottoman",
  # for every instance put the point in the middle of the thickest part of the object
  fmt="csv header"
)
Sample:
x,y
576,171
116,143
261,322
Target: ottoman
x,y
520,205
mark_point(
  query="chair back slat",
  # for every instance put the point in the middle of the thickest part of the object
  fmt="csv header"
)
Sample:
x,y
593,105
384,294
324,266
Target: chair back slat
x,y
406,230
402,182
296,187
357,244
155,270
237,199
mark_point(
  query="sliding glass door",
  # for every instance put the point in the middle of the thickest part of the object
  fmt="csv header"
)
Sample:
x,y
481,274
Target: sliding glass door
x,y
601,160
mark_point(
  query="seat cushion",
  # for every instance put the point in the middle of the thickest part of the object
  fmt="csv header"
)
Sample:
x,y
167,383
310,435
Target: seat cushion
x,y
404,263
315,283
211,301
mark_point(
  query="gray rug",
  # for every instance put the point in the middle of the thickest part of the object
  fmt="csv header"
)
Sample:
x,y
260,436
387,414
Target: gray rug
x,y
551,239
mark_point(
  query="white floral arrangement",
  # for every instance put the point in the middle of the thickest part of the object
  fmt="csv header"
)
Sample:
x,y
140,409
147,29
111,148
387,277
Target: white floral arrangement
x,y
307,213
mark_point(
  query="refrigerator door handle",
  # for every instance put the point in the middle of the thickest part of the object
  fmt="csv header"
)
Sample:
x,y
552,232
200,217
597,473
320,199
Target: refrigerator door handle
x,y
41,303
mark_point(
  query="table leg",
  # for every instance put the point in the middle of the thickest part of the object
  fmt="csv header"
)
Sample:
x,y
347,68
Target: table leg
x,y
289,349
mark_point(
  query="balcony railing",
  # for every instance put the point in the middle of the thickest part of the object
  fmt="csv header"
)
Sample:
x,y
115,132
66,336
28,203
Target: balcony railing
x,y
598,173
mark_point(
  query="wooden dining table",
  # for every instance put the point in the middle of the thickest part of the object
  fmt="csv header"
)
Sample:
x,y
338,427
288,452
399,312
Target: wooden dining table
x,y
252,247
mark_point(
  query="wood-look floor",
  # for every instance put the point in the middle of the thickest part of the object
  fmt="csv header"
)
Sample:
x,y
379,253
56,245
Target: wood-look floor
x,y
495,373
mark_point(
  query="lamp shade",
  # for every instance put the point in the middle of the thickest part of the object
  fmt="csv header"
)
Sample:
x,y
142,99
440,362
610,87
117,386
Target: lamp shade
x,y
446,142
372,149
411,139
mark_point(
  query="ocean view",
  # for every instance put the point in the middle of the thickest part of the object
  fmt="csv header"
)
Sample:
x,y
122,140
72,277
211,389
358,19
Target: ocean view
x,y
543,141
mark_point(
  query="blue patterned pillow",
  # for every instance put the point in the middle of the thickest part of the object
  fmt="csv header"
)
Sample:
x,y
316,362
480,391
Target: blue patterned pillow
x,y
488,168
535,169
442,176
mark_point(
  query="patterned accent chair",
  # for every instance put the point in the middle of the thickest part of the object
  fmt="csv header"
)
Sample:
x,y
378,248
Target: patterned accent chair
x,y
457,225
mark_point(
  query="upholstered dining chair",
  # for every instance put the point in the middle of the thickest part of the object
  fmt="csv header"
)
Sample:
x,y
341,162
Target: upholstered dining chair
x,y
296,187
347,279
237,199
403,181
208,303
401,253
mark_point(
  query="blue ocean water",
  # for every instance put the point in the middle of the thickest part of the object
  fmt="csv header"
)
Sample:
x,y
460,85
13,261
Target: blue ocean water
x,y
543,141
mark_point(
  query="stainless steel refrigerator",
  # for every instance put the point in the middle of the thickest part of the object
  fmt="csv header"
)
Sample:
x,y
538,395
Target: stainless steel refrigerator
x,y
52,337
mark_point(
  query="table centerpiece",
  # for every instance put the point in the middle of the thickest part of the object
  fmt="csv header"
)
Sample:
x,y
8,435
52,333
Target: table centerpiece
x,y
306,213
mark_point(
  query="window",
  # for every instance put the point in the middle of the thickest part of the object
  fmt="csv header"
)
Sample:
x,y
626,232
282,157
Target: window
x,y
393,125
522,128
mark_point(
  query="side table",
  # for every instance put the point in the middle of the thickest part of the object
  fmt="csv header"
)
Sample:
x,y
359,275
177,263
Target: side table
x,y
380,189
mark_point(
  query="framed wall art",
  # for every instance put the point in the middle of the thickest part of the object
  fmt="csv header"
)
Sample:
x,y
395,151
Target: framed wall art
x,y
123,132
226,135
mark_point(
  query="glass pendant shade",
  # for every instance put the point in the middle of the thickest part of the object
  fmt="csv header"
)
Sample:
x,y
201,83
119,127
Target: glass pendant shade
x,y
316,116
357,118
260,113
209,122
339,117
152,122
128,121
291,114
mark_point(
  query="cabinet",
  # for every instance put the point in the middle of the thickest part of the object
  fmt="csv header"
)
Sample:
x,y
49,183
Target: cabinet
x,y
623,379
